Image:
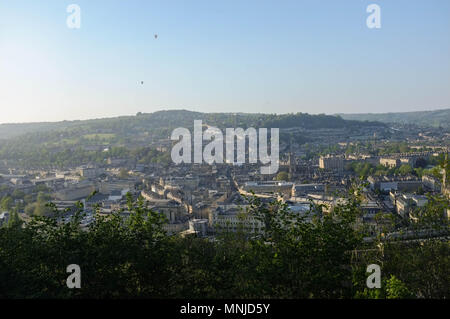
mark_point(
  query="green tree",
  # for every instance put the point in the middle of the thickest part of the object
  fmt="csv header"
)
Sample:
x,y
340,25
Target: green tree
x,y
396,289
41,210
282,176
29,209
6,203
405,169
14,220
43,198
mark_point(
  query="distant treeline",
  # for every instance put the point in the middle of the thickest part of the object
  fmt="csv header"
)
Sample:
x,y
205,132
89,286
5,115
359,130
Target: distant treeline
x,y
425,118
165,121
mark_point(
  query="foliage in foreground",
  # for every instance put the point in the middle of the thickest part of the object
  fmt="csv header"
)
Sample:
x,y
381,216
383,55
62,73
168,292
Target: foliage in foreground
x,y
134,258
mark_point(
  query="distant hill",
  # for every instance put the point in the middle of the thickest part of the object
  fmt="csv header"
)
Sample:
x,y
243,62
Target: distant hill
x,y
422,118
73,143
165,121
16,129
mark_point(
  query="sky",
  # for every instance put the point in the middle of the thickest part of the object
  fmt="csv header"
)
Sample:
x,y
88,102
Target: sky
x,y
277,56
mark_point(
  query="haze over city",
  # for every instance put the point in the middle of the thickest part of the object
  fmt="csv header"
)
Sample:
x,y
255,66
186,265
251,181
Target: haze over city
x,y
221,56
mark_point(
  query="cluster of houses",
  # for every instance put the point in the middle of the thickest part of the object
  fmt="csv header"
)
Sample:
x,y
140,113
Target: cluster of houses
x,y
205,199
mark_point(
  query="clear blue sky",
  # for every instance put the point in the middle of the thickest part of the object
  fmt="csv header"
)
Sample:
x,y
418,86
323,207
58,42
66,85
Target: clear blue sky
x,y
221,56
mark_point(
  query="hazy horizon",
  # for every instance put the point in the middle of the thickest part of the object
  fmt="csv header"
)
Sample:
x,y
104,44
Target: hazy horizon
x,y
234,56
191,110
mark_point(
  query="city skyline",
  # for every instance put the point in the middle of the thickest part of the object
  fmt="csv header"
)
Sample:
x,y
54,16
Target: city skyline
x,y
224,158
